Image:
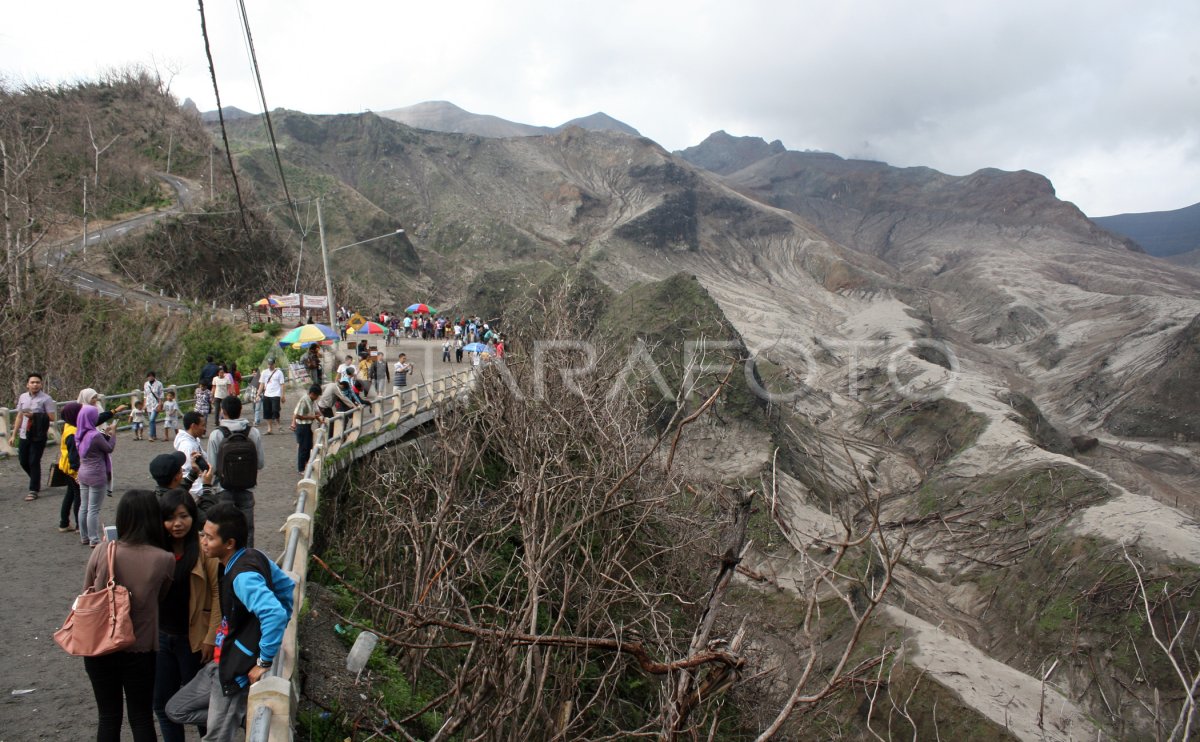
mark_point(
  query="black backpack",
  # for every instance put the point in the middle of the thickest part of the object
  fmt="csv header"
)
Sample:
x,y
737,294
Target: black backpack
x,y
237,461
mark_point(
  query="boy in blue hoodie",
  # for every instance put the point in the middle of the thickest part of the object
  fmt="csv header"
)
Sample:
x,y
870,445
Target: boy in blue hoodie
x,y
256,604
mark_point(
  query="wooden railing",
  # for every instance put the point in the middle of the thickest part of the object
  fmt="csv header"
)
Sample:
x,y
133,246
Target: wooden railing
x,y
271,709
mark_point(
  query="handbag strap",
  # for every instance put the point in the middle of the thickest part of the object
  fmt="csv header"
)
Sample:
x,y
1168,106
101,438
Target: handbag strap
x,y
112,575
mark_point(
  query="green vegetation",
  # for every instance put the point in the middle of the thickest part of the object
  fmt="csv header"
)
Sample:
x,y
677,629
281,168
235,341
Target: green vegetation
x,y
1079,600
666,315
933,431
1044,434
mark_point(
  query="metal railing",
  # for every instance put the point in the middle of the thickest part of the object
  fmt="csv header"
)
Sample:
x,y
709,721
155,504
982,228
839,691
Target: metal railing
x,y
271,707
7,415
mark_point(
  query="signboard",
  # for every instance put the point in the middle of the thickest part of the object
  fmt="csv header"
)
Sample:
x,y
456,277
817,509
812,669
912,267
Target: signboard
x,y
290,311
312,301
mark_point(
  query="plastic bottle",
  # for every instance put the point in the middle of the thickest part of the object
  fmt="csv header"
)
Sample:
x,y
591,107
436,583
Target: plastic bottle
x,y
361,651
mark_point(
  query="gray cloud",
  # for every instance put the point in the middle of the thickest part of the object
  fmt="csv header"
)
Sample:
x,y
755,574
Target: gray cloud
x,y
1103,98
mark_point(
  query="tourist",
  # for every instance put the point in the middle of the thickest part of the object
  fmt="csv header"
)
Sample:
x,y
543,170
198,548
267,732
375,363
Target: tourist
x,y
209,371
168,472
238,491
152,394
203,401
458,348
31,429
256,603
170,417
270,389
312,362
68,464
95,471
221,386
191,609
379,373
126,678
137,420
401,372
187,442
305,419
235,380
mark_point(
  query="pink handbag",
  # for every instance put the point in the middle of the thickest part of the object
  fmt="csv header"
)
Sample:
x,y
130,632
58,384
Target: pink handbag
x,y
100,621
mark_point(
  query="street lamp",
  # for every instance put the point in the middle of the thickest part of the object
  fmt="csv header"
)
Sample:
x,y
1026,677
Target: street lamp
x,y
325,262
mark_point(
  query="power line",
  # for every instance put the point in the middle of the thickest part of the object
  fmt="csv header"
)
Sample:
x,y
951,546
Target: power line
x,y
212,70
266,112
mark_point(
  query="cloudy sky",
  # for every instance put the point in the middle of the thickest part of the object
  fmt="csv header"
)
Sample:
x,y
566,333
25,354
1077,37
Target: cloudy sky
x,y
1102,97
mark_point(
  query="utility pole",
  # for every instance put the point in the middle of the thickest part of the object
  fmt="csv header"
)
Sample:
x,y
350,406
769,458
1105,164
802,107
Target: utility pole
x,y
328,287
85,215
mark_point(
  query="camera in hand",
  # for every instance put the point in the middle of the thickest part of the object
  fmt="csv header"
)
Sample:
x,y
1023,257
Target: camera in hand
x,y
201,464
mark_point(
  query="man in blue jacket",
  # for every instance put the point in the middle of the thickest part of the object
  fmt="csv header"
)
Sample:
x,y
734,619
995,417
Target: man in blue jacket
x,y
256,604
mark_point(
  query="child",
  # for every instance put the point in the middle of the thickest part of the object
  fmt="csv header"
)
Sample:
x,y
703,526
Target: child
x,y
137,418
170,417
203,400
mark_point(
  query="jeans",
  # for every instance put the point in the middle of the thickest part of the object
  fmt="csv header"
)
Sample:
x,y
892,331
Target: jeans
x,y
243,500
92,496
304,444
153,416
176,665
128,675
29,453
70,504
202,702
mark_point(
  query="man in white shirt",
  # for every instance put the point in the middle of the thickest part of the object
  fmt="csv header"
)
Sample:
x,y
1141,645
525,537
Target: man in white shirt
x,y
270,387
153,393
187,440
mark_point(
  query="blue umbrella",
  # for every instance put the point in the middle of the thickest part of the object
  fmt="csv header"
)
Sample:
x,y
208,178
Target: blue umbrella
x,y
475,348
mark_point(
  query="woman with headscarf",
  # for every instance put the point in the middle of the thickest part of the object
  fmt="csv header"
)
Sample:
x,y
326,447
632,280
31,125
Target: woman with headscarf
x,y
68,464
95,468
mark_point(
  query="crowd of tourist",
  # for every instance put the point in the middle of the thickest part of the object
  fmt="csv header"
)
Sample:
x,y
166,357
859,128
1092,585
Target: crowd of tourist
x,y
168,542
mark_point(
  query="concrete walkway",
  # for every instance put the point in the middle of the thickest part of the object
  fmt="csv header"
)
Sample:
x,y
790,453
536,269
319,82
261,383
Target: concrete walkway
x,y
43,569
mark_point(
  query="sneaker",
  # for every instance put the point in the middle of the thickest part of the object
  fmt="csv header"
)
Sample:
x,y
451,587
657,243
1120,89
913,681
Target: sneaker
x,y
65,529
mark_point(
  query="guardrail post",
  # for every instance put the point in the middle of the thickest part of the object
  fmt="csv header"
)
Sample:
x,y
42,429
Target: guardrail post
x,y
309,487
275,693
5,432
355,428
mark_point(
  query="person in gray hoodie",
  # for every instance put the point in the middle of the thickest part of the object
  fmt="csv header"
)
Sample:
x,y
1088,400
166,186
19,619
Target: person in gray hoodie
x,y
232,421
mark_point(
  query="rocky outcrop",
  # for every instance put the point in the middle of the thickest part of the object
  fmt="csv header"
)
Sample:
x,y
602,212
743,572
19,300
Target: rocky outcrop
x,y
724,154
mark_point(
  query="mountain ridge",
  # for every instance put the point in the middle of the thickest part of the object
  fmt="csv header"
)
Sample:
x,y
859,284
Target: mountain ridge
x,y
445,116
1162,233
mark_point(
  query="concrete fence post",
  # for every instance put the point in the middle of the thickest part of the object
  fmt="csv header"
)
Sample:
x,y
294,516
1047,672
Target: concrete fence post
x,y
5,432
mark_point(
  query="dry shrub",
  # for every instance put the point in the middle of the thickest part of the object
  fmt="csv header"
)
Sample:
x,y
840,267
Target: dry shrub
x,y
533,561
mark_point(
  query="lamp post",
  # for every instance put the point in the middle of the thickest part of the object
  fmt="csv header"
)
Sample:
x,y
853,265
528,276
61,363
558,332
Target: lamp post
x,y
325,262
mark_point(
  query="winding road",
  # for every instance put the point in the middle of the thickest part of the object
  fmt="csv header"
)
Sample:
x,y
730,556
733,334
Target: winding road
x,y
58,256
